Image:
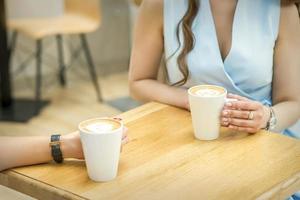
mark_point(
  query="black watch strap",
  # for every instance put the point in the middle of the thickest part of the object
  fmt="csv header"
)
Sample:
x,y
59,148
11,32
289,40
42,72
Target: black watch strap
x,y
55,149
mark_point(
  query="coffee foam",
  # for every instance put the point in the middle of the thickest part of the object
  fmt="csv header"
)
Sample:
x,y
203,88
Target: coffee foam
x,y
207,91
100,126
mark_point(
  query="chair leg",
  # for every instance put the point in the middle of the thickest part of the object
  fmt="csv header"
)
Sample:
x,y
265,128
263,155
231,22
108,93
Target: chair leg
x,y
62,67
12,47
91,65
38,83
13,43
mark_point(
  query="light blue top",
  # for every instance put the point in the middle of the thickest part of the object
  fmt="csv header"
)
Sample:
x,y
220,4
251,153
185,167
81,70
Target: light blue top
x,y
248,68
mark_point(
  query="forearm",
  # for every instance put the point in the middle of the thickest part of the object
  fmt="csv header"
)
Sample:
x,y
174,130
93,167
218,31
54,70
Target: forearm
x,y
21,151
152,90
287,113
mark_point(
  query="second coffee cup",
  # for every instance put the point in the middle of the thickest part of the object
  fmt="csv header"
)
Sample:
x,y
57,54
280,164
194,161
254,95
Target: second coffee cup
x,y
206,103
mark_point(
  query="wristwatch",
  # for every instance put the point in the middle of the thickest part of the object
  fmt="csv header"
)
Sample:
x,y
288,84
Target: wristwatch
x,y
272,121
55,148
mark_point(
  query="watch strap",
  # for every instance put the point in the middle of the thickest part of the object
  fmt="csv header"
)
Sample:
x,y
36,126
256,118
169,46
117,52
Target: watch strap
x,y
272,120
55,148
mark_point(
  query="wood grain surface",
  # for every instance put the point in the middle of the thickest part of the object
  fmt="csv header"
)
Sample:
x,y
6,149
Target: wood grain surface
x,y
164,161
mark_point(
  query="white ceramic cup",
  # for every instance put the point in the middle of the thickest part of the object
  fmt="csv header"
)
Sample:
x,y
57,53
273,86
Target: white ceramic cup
x,y
206,111
101,150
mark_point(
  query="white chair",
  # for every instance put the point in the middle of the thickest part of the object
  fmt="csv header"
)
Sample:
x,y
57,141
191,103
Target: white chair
x,y
80,17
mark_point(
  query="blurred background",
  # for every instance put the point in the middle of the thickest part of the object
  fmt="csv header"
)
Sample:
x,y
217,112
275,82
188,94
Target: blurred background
x,y
68,61
58,27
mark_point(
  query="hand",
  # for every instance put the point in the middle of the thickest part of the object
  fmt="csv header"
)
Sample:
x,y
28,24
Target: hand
x,y
125,138
236,115
185,104
71,144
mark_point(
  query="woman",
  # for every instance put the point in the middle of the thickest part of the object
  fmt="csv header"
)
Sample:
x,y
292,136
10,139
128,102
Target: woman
x,y
251,48
21,151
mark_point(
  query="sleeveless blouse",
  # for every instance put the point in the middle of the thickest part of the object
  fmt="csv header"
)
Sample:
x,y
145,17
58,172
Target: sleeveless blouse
x,y
247,70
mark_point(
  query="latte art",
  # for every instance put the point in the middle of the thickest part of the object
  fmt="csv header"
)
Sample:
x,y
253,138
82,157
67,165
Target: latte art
x,y
99,126
208,93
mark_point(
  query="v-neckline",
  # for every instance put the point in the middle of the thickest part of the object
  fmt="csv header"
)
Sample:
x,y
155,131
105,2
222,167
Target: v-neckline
x,y
215,35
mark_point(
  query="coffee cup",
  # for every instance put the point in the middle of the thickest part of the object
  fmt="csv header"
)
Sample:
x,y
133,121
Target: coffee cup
x,y
101,140
206,103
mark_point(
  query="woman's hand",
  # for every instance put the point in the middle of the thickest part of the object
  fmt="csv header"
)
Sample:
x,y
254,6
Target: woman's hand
x,y
245,115
71,144
125,138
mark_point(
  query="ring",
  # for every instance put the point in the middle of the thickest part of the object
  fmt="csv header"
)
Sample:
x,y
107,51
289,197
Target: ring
x,y
251,115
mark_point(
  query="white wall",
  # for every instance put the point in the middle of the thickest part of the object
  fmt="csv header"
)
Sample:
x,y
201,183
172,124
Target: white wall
x,y
34,8
110,45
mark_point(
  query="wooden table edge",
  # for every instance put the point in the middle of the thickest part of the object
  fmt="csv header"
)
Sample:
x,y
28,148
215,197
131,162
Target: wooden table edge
x,y
35,188
284,189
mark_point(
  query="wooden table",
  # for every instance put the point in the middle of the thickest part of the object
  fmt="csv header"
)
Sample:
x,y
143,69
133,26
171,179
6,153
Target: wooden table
x,y
164,161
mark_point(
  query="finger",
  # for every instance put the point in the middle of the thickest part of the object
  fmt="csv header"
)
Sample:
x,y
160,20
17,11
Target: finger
x,y
228,108
236,114
243,105
225,124
125,140
238,97
118,118
125,130
243,129
242,122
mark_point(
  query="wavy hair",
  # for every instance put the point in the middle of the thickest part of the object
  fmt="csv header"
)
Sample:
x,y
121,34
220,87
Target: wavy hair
x,y
185,24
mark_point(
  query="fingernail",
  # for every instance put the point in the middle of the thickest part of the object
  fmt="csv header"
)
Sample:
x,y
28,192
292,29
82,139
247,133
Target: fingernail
x,y
117,118
228,104
225,119
225,123
225,113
